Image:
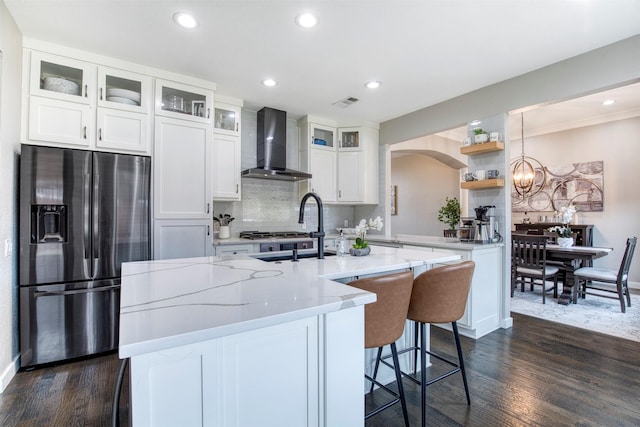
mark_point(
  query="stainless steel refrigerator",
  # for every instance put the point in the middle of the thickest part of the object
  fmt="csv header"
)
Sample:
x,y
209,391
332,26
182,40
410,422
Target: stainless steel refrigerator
x,y
82,214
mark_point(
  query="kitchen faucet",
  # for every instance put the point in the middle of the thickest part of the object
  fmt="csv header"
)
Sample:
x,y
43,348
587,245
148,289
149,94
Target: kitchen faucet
x,y
314,234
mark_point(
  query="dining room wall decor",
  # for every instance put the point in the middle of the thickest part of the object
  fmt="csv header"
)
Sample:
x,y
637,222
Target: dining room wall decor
x,y
580,184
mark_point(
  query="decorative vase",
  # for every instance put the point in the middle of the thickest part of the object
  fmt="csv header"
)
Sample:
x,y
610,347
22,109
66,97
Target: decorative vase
x,y
223,233
565,242
360,252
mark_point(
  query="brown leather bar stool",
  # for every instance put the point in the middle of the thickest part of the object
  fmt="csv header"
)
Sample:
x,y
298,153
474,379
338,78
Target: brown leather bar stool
x,y
384,323
440,296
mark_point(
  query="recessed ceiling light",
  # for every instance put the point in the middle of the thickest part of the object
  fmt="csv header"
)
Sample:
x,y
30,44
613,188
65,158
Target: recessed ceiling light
x,y
475,123
373,85
269,82
609,102
306,20
184,20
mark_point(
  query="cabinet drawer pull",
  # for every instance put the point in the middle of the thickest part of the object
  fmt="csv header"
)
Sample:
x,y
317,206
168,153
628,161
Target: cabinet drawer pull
x,y
101,94
237,188
86,91
237,126
100,134
207,207
208,113
84,132
208,230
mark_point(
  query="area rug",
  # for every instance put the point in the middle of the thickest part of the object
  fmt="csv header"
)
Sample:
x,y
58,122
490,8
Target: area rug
x,y
592,313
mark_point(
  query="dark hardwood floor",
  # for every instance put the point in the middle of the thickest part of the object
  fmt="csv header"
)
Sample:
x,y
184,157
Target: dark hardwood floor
x,y
537,373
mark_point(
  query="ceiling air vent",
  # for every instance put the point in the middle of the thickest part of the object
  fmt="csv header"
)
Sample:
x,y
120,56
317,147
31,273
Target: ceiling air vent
x,y
344,103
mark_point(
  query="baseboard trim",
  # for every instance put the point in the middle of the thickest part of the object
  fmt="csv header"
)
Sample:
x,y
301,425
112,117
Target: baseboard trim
x,y
634,287
9,372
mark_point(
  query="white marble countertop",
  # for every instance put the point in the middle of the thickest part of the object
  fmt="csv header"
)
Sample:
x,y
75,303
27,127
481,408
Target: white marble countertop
x,y
431,241
169,303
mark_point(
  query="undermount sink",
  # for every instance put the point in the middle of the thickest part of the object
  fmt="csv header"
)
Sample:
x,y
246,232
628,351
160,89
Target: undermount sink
x,y
288,257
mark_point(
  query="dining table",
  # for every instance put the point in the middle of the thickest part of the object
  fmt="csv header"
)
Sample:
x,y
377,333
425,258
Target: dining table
x,y
572,258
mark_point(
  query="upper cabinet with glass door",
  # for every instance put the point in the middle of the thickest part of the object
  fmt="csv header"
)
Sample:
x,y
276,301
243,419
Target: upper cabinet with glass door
x,y
62,78
322,136
184,102
349,139
124,90
226,118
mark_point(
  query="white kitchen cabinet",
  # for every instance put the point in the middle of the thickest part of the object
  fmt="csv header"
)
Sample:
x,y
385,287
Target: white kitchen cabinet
x,y
226,167
62,78
317,155
61,122
312,364
181,101
122,130
322,167
350,176
181,239
226,118
358,165
83,105
183,163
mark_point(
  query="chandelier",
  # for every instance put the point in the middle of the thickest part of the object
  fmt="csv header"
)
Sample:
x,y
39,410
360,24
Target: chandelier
x,y
524,171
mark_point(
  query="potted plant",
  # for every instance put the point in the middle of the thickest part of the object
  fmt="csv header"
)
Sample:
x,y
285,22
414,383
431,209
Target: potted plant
x,y
450,215
480,135
361,246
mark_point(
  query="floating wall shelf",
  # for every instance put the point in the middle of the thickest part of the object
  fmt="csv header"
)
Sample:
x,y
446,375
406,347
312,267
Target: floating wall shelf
x,y
486,147
485,183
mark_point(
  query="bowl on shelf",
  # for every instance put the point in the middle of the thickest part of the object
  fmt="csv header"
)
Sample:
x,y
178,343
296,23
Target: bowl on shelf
x,y
62,85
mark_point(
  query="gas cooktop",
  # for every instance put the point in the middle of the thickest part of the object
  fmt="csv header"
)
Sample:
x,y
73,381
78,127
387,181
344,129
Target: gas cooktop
x,y
255,235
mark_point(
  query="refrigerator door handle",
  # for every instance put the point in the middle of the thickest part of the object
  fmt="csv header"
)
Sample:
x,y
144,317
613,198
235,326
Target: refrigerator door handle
x,y
75,291
86,222
96,211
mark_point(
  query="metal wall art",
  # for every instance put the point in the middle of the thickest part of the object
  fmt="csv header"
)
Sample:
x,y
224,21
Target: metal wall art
x,y
581,184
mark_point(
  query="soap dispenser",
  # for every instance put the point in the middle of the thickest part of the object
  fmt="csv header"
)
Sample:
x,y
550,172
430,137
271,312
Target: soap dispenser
x,y
341,244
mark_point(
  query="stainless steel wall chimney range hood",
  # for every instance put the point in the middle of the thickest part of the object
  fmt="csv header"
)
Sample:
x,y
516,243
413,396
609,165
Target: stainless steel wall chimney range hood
x,y
272,148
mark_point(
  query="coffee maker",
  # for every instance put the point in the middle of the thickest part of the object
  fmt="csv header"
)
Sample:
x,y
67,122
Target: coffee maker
x,y
484,224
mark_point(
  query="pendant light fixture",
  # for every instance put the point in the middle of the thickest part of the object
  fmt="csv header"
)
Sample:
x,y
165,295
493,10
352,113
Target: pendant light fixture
x,y
524,171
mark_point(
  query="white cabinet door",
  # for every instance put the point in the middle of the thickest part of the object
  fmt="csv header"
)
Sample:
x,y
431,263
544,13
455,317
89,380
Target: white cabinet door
x,y
180,101
226,167
181,239
124,90
182,177
252,382
62,78
226,119
61,122
122,130
323,171
350,176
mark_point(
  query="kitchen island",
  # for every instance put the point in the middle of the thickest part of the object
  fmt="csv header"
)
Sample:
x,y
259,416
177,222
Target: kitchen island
x,y
488,288
235,341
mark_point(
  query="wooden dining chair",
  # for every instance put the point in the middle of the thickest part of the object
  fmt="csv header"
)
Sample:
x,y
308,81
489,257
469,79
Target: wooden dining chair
x,y
529,264
589,279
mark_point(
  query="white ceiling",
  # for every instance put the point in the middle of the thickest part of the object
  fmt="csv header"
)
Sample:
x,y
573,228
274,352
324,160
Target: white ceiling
x,y
424,52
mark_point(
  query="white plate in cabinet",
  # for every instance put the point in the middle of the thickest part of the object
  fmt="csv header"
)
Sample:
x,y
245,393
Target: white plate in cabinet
x,y
124,90
184,102
61,122
122,130
62,78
